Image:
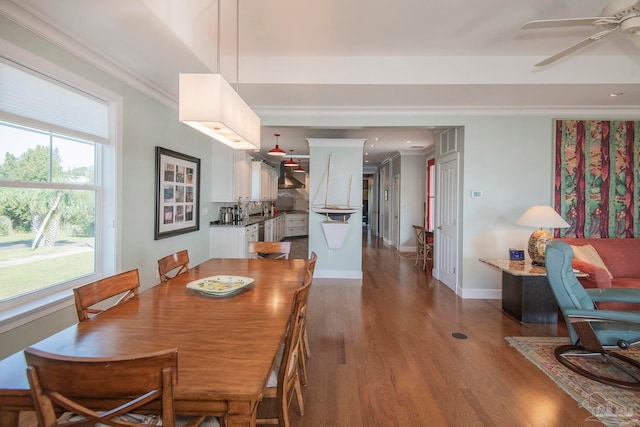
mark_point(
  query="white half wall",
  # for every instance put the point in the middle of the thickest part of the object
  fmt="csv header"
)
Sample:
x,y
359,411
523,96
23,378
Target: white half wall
x,y
344,186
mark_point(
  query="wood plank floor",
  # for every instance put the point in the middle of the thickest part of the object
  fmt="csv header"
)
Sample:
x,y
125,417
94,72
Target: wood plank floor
x,y
383,355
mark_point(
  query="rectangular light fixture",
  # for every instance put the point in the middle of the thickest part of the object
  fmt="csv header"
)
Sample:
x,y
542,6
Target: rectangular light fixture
x,y
209,104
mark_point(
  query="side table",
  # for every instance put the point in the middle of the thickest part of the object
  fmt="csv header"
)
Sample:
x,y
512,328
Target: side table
x,y
526,295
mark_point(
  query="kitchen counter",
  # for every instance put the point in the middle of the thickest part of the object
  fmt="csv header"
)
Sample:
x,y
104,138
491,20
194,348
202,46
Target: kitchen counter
x,y
294,212
252,220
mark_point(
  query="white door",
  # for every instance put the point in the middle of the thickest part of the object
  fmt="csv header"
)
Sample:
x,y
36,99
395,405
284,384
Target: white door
x,y
446,250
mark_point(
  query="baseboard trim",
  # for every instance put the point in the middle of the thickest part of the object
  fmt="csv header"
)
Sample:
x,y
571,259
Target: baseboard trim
x,y
338,274
480,293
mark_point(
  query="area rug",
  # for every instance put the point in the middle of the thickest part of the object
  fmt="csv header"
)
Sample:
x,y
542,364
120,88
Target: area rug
x,y
612,406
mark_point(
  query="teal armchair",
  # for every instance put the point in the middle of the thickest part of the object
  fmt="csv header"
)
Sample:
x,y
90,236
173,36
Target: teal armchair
x,y
597,333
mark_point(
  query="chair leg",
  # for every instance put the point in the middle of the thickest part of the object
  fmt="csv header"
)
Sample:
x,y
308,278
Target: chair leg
x,y
303,369
305,342
298,390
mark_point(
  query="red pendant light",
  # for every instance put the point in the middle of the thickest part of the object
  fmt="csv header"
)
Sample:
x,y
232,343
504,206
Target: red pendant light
x,y
291,162
299,169
277,151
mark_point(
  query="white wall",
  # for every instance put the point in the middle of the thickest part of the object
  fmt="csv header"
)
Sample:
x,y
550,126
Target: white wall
x,y
510,160
145,124
507,156
412,198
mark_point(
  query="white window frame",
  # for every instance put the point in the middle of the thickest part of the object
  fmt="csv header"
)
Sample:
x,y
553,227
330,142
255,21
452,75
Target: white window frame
x,y
27,308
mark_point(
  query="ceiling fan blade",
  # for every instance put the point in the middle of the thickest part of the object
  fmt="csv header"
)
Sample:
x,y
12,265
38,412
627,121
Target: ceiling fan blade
x,y
592,39
570,22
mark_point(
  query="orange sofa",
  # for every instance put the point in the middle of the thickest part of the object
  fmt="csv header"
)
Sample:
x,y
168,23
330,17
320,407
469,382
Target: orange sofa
x,y
621,257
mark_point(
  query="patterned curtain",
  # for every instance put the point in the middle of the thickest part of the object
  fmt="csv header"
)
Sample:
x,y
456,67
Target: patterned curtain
x,y
597,177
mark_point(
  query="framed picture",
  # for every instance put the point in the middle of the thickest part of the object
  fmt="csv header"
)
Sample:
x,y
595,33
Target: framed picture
x,y
177,193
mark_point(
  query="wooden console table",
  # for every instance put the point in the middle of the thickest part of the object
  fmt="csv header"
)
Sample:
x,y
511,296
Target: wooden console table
x,y
526,295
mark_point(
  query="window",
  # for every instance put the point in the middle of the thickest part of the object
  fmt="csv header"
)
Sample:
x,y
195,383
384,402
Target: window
x,y
57,188
47,209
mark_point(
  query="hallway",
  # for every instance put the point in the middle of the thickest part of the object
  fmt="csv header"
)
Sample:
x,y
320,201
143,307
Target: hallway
x,y
383,355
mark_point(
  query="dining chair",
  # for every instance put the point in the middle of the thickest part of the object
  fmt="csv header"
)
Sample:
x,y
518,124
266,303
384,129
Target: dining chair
x,y
284,381
175,264
598,337
304,340
275,250
86,296
420,245
129,382
429,243
311,266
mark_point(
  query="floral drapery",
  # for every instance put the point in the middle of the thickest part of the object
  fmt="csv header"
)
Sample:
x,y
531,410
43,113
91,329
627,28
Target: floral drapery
x,y
597,177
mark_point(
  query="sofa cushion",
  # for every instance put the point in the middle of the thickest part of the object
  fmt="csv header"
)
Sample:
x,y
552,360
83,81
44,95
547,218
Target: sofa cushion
x,y
589,254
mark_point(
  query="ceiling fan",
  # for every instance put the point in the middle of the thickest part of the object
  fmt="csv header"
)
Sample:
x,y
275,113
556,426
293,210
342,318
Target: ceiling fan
x,y
623,15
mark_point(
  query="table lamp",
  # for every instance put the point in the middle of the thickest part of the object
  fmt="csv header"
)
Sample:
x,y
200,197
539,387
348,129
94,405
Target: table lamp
x,y
542,216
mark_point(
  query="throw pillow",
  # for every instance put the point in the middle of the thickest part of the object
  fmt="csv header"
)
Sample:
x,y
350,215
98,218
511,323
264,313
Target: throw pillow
x,y
588,253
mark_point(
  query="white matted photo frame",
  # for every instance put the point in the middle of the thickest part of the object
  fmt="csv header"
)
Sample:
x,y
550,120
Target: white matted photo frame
x,y
177,193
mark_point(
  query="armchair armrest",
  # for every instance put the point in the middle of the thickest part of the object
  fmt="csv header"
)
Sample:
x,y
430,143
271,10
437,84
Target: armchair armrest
x,y
603,315
597,276
615,295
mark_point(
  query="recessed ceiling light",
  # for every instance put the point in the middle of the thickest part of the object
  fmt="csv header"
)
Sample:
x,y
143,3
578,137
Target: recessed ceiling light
x,y
366,161
408,142
613,95
377,139
366,154
372,145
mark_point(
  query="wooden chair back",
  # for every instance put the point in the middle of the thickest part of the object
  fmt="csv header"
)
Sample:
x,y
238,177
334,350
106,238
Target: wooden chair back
x,y
288,371
178,262
72,384
275,250
311,266
127,284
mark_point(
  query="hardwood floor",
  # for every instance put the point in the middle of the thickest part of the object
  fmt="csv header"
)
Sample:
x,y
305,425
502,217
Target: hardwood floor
x,y
383,355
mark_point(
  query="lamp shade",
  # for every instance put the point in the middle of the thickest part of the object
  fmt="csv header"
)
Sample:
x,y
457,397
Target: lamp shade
x,y
542,216
209,104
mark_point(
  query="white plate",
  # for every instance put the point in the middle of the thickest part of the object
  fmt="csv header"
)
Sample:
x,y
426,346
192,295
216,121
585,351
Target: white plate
x,y
220,285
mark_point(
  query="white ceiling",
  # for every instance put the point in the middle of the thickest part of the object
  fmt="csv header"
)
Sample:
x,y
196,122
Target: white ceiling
x,y
314,56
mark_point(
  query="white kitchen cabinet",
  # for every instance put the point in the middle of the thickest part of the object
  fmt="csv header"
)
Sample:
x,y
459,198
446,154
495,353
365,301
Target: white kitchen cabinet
x,y
231,241
264,181
269,229
230,174
278,233
296,224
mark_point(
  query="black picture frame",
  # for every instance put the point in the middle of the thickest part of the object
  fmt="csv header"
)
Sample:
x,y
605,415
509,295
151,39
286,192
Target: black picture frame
x,y
177,193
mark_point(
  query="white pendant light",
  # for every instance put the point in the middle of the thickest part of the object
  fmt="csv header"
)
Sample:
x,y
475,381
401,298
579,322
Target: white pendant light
x,y
209,104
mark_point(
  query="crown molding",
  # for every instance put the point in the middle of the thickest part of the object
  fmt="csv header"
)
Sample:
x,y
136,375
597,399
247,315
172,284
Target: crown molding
x,y
27,17
599,111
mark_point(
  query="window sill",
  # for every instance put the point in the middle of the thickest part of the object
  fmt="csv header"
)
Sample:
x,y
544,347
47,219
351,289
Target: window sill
x,y
28,312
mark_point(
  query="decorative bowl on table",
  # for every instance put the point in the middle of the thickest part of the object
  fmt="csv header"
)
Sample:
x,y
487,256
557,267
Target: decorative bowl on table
x,y
220,285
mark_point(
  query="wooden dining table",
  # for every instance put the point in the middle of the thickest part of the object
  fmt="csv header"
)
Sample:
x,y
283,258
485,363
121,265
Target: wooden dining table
x,y
227,346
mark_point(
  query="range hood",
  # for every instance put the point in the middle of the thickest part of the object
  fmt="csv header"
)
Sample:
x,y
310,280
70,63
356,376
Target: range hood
x,y
286,178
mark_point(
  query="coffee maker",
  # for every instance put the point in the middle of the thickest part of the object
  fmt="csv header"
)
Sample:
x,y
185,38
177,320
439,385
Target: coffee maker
x,y
226,215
